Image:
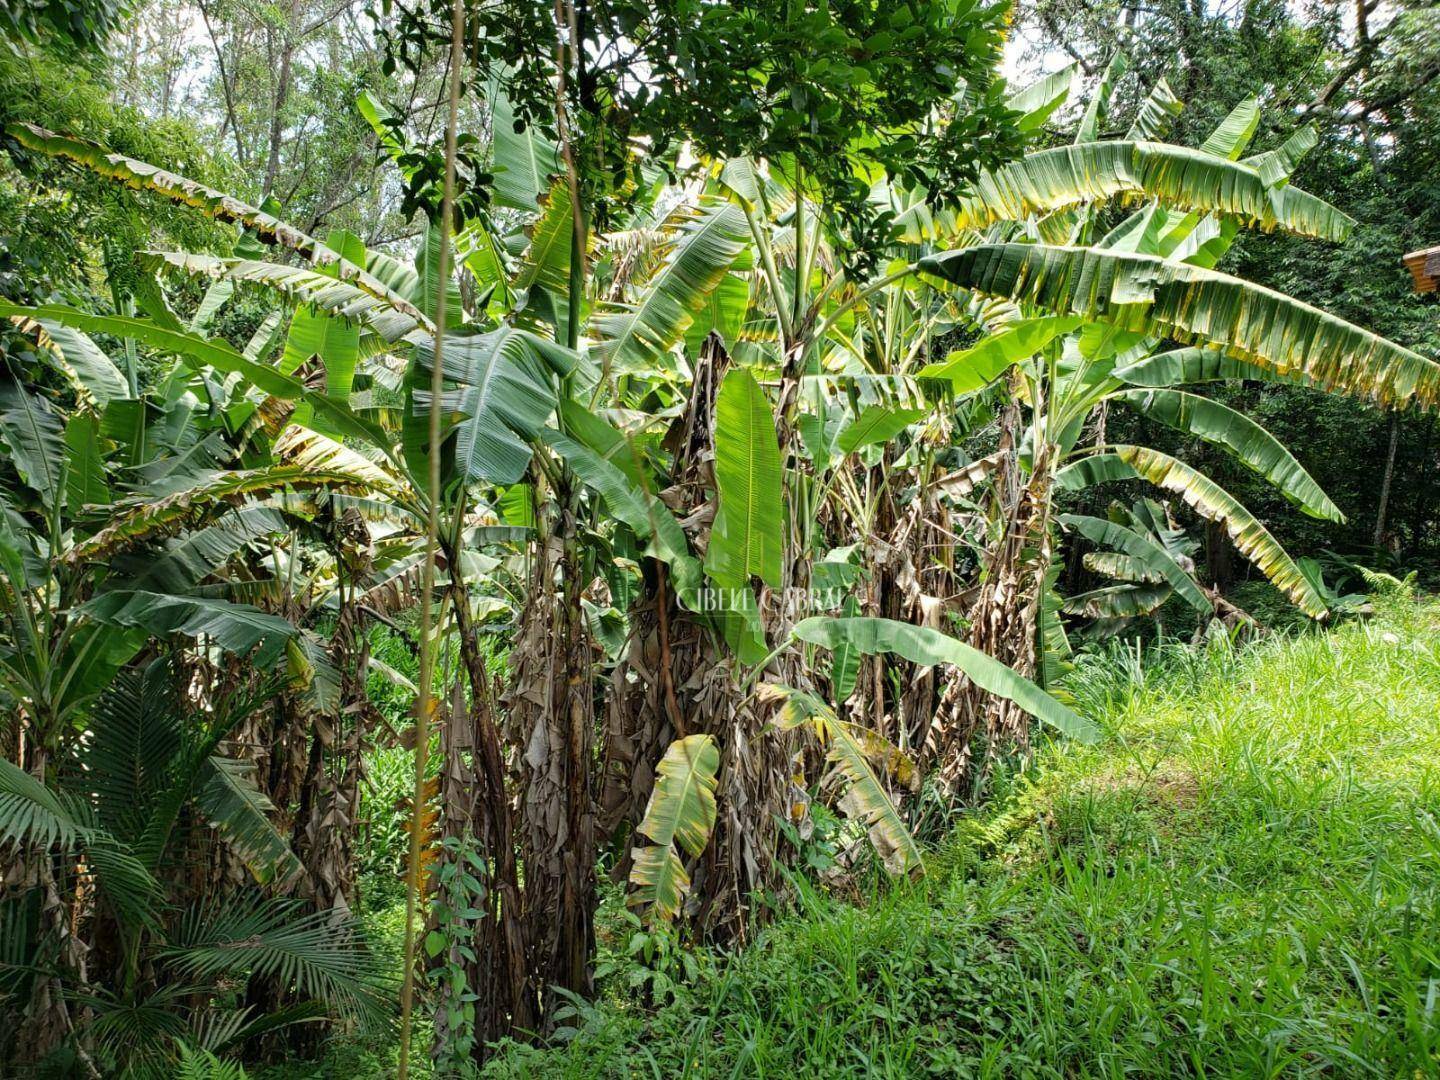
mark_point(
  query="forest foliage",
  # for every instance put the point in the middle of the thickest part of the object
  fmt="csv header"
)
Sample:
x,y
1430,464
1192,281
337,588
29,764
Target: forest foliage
x,y
570,462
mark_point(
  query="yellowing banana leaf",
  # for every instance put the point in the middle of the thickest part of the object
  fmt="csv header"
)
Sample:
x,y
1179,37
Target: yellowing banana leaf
x,y
78,358
1180,177
1191,364
145,177
361,298
1250,443
851,750
1250,322
681,814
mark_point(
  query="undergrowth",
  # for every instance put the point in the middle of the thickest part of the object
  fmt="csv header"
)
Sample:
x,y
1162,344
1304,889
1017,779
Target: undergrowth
x,y
1243,879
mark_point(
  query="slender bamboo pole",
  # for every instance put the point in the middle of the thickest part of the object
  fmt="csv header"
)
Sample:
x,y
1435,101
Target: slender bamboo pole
x,y
425,697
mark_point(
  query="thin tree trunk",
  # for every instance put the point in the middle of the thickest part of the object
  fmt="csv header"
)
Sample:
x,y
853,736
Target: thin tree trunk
x,y
1421,512
1377,539
1218,559
282,96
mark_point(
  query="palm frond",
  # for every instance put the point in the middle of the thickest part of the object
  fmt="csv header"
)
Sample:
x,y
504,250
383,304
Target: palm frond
x,y
313,954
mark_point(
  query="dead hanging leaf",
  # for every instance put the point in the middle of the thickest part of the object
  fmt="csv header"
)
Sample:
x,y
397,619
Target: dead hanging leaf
x,y
429,830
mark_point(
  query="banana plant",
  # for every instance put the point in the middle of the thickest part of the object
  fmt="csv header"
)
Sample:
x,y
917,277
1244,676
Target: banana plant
x,y
1148,561
1077,318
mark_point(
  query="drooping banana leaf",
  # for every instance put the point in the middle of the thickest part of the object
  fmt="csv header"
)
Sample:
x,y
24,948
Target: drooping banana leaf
x,y
1118,601
236,628
1250,322
1086,173
1207,499
1127,568
609,442
140,518
32,434
506,394
681,813
234,806
354,296
875,424
649,518
79,359
1250,443
195,351
847,748
188,560
145,177
924,646
1177,367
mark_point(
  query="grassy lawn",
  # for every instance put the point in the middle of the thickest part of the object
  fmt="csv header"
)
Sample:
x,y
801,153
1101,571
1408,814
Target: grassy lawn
x,y
1244,880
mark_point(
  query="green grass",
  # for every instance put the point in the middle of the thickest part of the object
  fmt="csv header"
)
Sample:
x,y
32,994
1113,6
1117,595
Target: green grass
x,y
1244,880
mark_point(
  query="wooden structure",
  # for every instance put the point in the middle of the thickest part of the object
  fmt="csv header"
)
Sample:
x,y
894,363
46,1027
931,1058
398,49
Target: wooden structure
x,y
1424,267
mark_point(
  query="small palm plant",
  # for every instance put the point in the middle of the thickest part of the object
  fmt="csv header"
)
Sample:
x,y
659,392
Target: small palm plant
x,y
133,813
